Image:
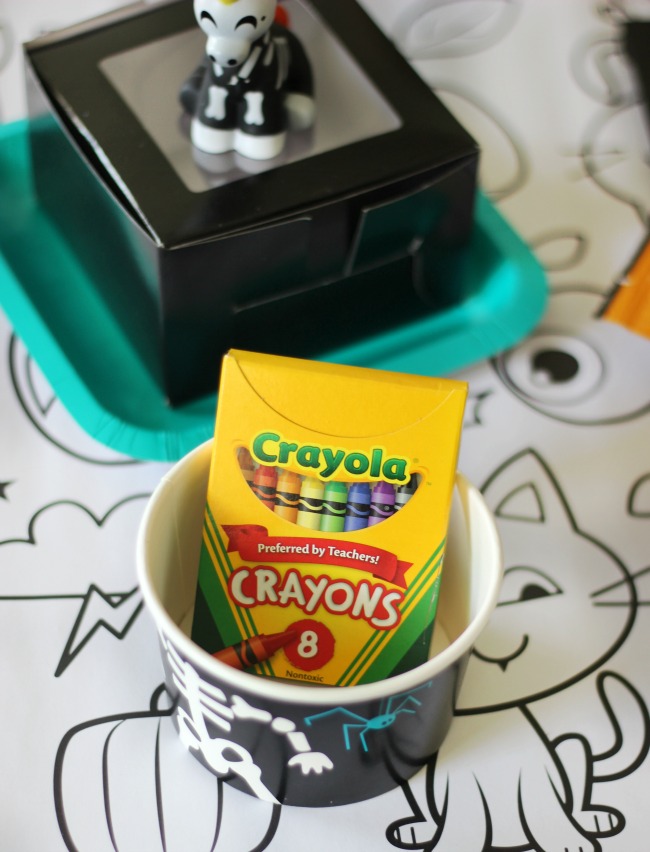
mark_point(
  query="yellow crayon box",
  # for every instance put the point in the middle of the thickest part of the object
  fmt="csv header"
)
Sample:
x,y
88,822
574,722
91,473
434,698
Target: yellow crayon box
x,y
327,510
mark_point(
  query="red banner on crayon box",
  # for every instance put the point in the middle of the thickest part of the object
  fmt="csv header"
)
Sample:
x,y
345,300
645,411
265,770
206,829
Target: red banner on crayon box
x,y
253,543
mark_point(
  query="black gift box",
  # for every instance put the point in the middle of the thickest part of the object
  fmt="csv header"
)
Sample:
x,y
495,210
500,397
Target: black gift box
x,y
353,230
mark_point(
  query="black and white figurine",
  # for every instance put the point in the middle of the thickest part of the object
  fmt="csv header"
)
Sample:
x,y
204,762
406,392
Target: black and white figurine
x,y
254,83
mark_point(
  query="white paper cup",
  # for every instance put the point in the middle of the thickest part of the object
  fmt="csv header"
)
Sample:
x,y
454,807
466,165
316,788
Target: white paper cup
x,y
300,744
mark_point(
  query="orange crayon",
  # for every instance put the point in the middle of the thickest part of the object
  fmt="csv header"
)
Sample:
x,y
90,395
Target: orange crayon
x,y
257,649
287,494
264,482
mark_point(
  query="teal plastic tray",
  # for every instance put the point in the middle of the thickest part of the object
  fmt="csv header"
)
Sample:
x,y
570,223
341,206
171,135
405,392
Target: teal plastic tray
x,y
97,374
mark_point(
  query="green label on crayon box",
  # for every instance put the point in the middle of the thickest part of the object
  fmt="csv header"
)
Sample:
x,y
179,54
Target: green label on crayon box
x,y
269,448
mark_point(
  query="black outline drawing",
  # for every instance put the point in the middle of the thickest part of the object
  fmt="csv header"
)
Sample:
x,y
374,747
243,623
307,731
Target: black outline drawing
x,y
575,333
638,503
476,114
579,767
121,608
575,240
474,408
604,73
112,723
478,35
19,359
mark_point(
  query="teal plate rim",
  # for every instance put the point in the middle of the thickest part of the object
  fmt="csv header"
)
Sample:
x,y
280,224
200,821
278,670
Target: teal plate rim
x,y
97,375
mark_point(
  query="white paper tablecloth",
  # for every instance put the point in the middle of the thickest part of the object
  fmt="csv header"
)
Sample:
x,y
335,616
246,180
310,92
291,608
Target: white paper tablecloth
x,y
548,751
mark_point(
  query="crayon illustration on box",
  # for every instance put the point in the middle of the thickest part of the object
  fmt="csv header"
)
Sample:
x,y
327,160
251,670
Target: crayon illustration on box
x,y
326,518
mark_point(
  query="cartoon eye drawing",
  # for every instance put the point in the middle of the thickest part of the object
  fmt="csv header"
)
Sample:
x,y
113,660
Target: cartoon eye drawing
x,y
552,368
522,584
579,367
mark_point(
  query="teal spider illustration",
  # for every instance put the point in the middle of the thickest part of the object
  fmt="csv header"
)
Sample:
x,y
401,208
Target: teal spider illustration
x,y
407,704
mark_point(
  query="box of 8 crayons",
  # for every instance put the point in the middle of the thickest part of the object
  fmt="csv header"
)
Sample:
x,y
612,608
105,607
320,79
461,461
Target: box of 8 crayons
x,y
326,516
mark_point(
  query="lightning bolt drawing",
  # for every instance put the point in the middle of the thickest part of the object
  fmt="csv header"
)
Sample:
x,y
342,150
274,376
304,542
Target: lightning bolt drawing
x,y
114,612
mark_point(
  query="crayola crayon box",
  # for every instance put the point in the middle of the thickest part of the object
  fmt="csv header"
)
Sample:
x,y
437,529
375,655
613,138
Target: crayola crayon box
x,y
327,511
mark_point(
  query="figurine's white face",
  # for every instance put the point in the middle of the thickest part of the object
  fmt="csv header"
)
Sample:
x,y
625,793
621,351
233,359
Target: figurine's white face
x,y
231,26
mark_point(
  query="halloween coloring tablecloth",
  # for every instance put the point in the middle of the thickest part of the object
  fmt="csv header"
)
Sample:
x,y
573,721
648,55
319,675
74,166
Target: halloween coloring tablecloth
x,y
549,747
